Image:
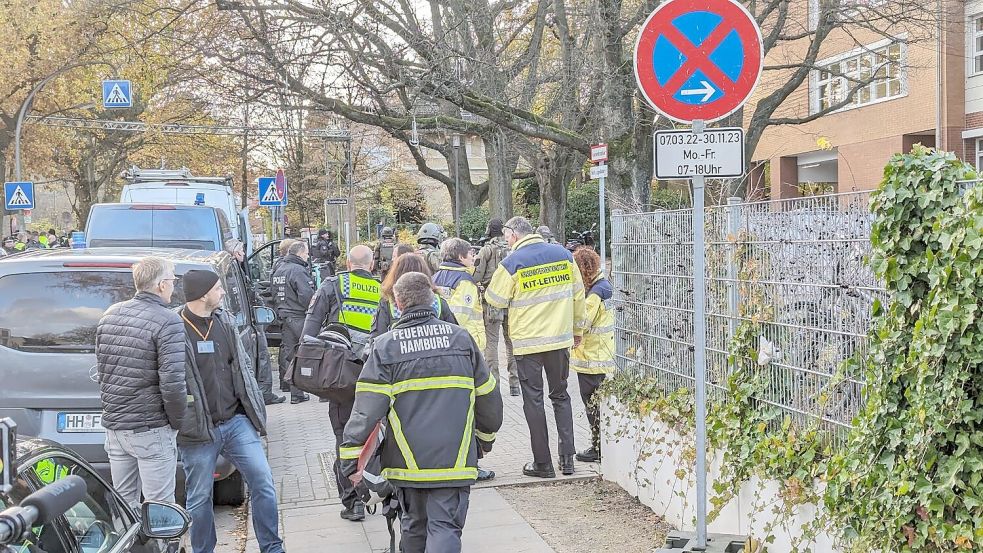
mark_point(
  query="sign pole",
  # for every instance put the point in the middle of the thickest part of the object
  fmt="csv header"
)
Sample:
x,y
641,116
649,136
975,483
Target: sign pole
x,y
699,350
600,198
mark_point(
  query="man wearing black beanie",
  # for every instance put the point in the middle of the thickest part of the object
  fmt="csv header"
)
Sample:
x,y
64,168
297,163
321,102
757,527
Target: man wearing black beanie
x,y
225,416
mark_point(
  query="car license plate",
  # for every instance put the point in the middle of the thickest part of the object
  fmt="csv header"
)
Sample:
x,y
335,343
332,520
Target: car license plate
x,y
80,422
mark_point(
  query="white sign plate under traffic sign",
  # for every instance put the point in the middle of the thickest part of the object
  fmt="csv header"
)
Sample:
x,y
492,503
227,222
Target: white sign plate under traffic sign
x,y
598,172
714,153
337,201
599,152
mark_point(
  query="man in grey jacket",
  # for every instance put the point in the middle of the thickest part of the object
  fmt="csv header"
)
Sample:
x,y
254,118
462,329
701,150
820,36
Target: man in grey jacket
x,y
140,359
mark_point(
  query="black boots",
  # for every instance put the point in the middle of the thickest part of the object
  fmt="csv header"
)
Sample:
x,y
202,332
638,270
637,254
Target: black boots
x,y
591,455
566,464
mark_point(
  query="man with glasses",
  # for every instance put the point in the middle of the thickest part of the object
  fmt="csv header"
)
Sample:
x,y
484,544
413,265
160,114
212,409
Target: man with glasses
x,y
141,362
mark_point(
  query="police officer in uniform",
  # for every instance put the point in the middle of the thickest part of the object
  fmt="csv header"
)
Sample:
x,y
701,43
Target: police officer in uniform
x,y
351,299
293,288
383,254
546,233
544,292
326,252
429,240
429,376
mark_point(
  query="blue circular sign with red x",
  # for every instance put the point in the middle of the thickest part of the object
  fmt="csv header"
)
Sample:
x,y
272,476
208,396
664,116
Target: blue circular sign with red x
x,y
698,59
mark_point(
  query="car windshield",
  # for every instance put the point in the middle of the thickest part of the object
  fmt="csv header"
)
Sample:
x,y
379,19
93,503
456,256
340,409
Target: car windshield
x,y
58,312
164,228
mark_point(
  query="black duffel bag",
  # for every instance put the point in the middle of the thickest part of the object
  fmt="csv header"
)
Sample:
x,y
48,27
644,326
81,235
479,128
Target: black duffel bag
x,y
326,366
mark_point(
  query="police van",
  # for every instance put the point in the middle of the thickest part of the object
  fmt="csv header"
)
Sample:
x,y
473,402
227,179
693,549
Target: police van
x,y
180,187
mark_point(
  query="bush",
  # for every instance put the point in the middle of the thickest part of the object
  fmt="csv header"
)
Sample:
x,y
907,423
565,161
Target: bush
x,y
583,210
473,223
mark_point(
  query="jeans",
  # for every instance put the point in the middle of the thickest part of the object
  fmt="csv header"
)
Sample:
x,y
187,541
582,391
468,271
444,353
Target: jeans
x,y
143,461
237,441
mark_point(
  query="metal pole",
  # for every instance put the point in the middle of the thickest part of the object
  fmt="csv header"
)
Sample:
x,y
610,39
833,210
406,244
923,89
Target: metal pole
x,y
699,352
733,292
600,197
327,183
457,187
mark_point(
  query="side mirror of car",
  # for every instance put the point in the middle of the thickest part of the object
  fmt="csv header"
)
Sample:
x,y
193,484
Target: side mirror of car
x,y
163,521
263,315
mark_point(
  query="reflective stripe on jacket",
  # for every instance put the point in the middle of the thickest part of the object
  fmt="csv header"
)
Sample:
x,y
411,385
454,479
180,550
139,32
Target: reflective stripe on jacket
x,y
428,378
456,285
595,355
541,287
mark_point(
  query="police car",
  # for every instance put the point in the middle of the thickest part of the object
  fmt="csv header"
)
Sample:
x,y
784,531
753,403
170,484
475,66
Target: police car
x,y
102,522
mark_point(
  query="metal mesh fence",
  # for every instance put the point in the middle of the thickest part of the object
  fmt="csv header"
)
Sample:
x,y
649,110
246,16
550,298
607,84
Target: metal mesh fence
x,y
794,270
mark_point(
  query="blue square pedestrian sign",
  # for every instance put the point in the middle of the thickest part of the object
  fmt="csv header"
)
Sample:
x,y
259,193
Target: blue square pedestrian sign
x,y
18,195
272,193
117,94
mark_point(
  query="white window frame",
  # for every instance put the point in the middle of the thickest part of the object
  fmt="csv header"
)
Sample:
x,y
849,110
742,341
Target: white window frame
x,y
979,154
857,53
974,52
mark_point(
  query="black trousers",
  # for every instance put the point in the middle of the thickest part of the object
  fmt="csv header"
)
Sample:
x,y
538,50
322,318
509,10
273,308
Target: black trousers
x,y
264,366
589,383
556,365
338,414
432,519
290,332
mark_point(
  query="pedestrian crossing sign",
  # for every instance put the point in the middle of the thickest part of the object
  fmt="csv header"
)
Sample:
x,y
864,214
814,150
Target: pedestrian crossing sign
x,y
272,193
18,195
117,94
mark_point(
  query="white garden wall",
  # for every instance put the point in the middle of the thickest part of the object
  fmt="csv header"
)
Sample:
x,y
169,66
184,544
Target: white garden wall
x,y
646,459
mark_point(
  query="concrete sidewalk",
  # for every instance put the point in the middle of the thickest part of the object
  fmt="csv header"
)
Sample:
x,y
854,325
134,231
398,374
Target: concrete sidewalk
x,y
301,452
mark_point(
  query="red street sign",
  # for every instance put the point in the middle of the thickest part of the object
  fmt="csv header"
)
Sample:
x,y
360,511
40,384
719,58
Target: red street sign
x,y
281,185
599,152
698,59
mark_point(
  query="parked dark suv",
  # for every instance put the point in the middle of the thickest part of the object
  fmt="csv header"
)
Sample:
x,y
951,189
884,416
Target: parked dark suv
x,y
50,304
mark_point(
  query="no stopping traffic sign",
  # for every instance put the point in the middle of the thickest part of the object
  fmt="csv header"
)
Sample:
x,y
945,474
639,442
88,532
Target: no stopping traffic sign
x,y
698,59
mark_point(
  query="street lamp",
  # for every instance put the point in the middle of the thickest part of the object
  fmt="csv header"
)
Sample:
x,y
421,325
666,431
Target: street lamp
x,y
456,140
30,100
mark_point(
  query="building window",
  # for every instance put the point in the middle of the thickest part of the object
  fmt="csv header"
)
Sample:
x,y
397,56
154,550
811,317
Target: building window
x,y
977,45
881,68
979,154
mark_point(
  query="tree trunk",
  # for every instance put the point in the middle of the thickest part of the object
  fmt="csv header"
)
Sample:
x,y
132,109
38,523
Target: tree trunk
x,y
502,161
554,172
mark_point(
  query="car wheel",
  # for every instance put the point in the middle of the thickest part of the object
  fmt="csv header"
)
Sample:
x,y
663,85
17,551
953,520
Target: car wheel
x,y
231,491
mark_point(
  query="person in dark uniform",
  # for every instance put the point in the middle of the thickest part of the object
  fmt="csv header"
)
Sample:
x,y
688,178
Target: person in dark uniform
x,y
384,253
293,289
349,299
326,252
431,455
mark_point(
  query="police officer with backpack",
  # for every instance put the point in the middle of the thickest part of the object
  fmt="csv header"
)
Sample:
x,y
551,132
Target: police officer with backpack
x,y
325,251
383,254
350,299
429,238
491,254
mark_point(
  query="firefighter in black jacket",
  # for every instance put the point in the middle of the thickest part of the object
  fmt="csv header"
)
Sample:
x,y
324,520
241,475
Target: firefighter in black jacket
x,y
428,377
293,288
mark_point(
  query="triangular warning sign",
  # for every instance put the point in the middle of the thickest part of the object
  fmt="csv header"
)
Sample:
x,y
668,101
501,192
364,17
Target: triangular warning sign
x,y
271,195
116,96
19,198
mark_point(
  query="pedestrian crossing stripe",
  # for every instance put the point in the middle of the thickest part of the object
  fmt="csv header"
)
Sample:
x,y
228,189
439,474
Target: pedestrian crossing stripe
x,y
272,194
19,198
116,96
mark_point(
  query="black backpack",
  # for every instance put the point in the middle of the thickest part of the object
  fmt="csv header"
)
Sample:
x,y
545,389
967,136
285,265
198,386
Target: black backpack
x,y
326,366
